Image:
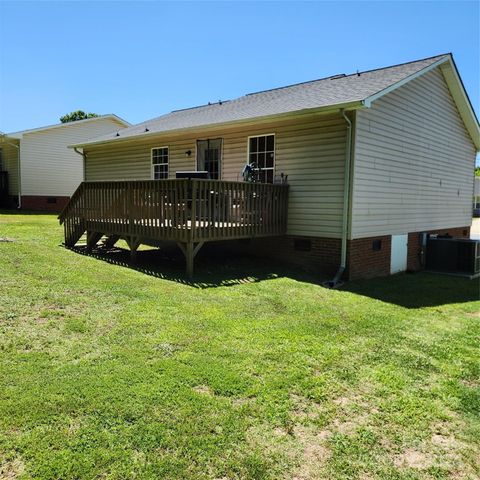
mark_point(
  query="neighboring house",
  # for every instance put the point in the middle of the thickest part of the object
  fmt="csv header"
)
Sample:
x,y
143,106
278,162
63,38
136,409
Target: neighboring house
x,y
476,198
373,160
42,172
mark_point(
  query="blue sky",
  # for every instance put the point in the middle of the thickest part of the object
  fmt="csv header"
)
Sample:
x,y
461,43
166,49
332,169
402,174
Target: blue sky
x,y
143,59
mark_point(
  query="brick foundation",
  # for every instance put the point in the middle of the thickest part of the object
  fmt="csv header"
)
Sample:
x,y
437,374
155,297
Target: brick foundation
x,y
366,257
44,203
317,254
365,262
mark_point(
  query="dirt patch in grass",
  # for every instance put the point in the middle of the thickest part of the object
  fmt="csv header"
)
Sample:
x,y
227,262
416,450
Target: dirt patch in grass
x,y
315,453
203,390
411,458
12,469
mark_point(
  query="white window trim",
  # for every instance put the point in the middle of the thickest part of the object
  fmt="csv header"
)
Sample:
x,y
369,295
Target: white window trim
x,y
274,151
152,170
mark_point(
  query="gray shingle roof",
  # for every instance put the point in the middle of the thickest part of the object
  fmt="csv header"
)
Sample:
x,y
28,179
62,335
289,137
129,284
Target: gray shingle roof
x,y
331,91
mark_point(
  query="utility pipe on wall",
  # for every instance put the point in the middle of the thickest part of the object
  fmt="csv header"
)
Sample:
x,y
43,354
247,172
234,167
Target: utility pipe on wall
x,y
84,156
346,204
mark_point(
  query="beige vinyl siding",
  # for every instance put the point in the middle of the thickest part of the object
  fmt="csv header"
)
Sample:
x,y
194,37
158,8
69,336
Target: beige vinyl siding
x,y
413,162
310,150
10,164
48,166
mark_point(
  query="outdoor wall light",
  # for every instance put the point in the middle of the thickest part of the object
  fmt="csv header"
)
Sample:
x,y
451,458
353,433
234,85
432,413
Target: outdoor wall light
x,y
188,153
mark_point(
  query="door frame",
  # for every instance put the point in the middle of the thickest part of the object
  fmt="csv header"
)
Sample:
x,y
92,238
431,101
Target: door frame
x,y
220,160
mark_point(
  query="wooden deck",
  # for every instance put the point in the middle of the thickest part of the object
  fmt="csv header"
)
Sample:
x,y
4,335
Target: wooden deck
x,y
188,212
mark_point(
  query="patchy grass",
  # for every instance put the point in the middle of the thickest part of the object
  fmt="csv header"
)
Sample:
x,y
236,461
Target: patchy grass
x,y
113,372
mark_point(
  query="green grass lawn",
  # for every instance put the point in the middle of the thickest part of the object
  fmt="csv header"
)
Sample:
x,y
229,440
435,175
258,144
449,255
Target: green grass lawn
x,y
255,372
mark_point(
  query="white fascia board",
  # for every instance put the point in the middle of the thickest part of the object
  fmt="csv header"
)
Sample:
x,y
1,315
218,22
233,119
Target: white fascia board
x,y
367,102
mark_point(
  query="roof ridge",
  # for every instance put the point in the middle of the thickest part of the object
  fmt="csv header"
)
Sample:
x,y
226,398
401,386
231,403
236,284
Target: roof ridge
x,y
342,75
209,104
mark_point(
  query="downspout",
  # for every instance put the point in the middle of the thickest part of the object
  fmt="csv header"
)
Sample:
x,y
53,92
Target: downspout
x,y
19,176
346,205
84,156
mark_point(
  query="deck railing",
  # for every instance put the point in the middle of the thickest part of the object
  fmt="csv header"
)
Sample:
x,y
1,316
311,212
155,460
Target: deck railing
x,y
183,210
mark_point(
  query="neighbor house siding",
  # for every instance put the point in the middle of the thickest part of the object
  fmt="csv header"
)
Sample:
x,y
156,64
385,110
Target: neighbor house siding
x,y
311,151
413,163
48,166
10,164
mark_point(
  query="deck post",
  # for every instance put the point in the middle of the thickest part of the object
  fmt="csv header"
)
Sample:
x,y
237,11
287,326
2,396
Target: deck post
x,y
133,244
92,239
111,241
189,258
190,251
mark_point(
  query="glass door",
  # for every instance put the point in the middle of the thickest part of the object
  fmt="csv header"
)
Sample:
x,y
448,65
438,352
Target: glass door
x,y
209,153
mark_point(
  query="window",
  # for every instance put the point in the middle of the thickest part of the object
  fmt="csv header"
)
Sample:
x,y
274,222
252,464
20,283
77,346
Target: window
x,y
209,153
159,163
476,202
261,155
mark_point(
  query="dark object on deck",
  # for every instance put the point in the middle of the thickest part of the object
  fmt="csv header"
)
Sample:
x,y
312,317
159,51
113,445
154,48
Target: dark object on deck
x,y
188,212
192,174
453,255
4,198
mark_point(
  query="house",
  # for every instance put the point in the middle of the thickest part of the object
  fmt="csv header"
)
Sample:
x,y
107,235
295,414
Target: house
x,y
349,170
39,171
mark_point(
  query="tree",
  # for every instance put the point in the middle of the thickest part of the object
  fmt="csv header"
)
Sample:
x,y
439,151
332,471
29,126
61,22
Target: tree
x,y
477,171
78,115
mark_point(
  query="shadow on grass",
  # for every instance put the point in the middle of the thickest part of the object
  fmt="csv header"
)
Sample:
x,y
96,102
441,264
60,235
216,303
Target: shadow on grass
x,y
417,290
215,267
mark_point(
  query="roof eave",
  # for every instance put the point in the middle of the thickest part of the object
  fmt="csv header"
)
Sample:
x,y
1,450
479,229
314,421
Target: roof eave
x,y
19,134
321,110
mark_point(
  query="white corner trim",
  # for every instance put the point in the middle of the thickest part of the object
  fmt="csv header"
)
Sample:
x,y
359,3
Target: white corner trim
x,y
368,101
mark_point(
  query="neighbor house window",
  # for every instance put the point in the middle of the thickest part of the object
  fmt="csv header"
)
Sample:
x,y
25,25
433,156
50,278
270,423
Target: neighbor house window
x,y
159,163
261,155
